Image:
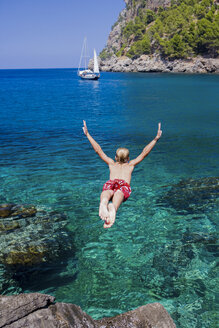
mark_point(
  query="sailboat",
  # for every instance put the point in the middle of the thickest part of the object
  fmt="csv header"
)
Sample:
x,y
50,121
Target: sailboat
x,y
85,73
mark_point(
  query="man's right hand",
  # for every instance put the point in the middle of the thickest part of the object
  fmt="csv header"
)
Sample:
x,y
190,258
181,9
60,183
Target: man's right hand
x,y
85,128
159,132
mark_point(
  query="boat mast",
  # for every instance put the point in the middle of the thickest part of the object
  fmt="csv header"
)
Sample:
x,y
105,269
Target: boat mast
x,y
79,66
83,55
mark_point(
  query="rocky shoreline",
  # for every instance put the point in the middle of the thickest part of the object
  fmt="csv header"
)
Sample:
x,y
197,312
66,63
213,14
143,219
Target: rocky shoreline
x,y
155,63
36,310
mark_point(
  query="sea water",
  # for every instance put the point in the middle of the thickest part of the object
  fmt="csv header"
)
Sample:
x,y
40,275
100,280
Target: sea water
x,y
152,253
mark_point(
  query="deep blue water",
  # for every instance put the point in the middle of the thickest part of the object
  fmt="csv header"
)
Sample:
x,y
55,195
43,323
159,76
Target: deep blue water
x,y
46,160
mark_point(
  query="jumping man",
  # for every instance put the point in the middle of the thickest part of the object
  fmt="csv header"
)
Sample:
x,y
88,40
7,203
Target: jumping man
x,y
117,189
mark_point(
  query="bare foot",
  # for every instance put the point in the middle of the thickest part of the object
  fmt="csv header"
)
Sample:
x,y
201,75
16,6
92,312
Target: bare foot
x,y
112,216
103,211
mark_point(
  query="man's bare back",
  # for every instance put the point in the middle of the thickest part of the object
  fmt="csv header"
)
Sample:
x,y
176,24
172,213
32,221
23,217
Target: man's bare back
x,y
117,189
121,171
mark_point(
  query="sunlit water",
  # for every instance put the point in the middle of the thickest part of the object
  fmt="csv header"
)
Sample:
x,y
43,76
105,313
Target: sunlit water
x,y
46,160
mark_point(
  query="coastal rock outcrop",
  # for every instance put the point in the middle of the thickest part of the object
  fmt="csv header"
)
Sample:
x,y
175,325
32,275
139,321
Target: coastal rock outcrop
x,y
39,310
155,63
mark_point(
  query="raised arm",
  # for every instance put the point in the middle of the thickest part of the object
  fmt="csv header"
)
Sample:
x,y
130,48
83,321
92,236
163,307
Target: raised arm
x,y
96,146
148,148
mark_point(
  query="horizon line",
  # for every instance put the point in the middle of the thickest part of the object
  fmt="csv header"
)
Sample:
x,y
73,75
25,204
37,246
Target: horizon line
x,y
2,69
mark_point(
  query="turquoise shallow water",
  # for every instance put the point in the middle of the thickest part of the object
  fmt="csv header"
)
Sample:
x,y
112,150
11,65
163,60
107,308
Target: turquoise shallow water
x,y
155,251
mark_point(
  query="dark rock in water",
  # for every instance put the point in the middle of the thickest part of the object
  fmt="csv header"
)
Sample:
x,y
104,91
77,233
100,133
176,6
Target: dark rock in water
x,y
38,310
209,240
193,196
169,263
199,237
24,211
7,225
29,237
10,213
5,210
172,258
32,236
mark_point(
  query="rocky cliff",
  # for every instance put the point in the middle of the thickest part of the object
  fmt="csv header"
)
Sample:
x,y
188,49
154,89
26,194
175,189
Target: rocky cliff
x,y
164,36
131,11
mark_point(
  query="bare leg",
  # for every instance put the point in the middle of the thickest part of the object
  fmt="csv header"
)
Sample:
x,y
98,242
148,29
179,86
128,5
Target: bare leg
x,y
113,207
105,196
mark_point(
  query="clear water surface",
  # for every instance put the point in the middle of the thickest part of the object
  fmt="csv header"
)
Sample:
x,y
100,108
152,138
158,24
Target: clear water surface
x,y
46,160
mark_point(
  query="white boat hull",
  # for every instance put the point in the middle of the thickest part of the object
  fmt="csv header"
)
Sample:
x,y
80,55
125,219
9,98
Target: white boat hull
x,y
89,76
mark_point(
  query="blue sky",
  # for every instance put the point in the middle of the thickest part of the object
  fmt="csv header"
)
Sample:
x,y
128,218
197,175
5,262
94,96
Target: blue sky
x,y
50,33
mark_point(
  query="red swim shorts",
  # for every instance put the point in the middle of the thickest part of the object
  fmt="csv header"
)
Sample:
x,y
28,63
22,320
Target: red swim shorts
x,y
118,184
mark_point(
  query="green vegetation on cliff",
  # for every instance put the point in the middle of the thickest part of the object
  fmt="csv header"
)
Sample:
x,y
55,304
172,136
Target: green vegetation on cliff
x,y
186,28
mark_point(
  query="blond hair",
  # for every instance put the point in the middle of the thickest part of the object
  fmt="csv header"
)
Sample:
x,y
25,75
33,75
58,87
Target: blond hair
x,y
122,155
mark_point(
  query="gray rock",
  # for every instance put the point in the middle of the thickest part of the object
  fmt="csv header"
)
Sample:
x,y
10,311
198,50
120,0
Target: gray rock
x,y
147,316
38,310
14,308
155,63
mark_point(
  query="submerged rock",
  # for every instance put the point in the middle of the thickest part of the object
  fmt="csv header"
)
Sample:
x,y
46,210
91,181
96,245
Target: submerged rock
x,y
13,210
193,196
38,310
208,240
168,265
5,210
29,237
